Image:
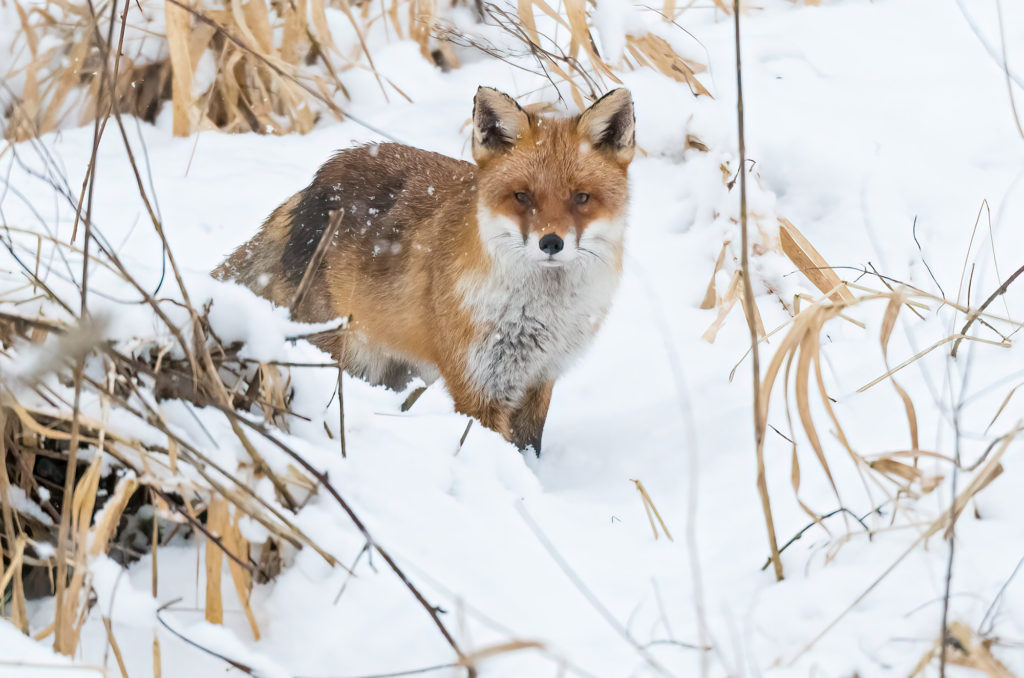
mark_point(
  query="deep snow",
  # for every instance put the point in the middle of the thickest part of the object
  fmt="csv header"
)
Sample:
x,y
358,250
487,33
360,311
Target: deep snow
x,y
861,117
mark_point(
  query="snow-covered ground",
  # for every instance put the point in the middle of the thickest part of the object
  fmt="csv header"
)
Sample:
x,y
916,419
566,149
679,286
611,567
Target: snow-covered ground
x,y
862,118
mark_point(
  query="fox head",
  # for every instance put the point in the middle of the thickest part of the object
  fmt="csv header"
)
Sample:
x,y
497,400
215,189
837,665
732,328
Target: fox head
x,y
553,191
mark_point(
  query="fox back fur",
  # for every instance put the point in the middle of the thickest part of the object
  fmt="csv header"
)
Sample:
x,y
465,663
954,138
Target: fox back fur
x,y
493,275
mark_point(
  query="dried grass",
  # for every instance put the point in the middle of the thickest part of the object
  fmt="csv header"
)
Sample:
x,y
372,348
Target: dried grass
x,y
273,67
258,83
267,84
795,376
965,649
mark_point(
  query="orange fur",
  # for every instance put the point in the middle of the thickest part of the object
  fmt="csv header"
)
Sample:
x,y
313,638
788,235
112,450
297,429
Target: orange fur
x,y
437,260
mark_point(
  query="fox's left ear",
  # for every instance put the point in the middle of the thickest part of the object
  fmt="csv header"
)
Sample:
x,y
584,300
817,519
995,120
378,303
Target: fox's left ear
x,y
610,126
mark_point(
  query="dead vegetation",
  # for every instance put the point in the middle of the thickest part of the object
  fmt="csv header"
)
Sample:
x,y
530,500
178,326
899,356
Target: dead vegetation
x,y
79,483
893,480
794,399
798,379
277,67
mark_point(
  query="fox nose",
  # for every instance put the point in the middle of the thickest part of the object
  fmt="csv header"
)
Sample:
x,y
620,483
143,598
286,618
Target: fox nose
x,y
551,244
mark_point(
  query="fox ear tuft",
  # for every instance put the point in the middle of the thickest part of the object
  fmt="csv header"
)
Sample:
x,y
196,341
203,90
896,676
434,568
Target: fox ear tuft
x,y
497,122
610,125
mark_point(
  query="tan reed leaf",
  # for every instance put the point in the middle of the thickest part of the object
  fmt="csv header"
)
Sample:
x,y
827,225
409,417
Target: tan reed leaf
x,y
110,516
178,22
257,19
547,9
294,35
473,658
808,354
710,295
112,641
974,652
217,522
323,33
989,472
814,267
69,618
528,20
67,79
754,321
725,303
657,52
651,510
236,543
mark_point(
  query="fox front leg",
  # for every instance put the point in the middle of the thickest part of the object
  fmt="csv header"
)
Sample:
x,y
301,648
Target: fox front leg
x,y
526,423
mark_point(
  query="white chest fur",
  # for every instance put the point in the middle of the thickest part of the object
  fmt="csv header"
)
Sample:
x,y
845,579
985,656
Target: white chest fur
x,y
533,321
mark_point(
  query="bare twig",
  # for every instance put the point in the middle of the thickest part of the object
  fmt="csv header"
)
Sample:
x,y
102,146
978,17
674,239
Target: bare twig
x,y
1006,68
63,635
981,309
985,626
322,478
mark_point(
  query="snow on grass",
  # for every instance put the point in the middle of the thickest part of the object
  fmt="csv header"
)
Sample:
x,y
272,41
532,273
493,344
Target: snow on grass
x,y
861,117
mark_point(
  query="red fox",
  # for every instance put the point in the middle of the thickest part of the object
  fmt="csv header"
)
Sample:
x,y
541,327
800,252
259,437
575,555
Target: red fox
x,y
493,275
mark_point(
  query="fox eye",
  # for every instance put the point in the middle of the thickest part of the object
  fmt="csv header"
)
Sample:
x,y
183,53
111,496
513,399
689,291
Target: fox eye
x,y
522,197
581,198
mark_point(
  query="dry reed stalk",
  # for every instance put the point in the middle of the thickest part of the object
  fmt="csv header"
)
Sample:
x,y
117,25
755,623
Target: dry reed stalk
x,y
945,522
188,454
798,352
241,577
471,660
15,543
651,510
177,25
216,521
87,437
974,314
760,401
964,648
257,87
269,56
153,584
992,469
799,348
118,657
973,652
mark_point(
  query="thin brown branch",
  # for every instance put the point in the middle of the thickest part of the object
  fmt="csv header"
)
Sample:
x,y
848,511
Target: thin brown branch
x,y
322,478
748,306
981,309
64,636
313,266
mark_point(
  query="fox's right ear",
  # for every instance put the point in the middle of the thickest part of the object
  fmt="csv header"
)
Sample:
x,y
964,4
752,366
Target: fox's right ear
x,y
497,122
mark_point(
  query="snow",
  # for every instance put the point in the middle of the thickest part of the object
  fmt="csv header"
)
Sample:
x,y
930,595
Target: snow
x,y
24,657
19,501
861,117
